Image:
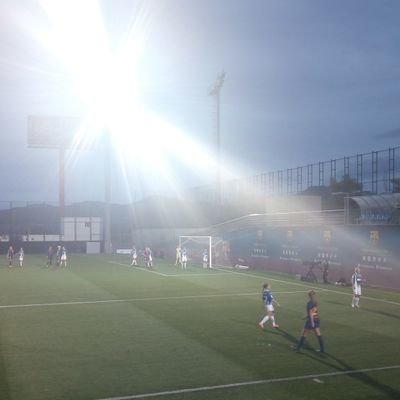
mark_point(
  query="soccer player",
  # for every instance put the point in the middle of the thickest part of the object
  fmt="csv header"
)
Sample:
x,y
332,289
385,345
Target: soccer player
x,y
184,258
205,258
10,256
356,280
325,271
268,301
21,256
312,323
148,258
134,256
49,262
58,256
63,259
178,256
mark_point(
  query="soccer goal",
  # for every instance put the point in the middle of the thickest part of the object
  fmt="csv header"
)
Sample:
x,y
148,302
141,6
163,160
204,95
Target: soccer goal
x,y
215,248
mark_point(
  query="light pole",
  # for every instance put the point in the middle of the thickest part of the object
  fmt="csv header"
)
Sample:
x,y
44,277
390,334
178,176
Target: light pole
x,y
107,194
216,93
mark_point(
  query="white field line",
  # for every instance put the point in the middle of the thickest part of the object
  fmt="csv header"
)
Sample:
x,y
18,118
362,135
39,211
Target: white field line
x,y
252,383
136,268
250,275
194,296
317,289
73,303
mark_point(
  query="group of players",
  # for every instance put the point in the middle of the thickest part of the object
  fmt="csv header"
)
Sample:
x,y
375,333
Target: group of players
x,y
61,256
10,256
147,255
312,322
60,253
182,257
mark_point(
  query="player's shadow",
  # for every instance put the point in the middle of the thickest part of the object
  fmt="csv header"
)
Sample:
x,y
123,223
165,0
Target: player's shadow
x,y
286,335
337,364
292,339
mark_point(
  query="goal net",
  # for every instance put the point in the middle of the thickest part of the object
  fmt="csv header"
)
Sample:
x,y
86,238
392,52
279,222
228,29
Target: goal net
x,y
215,249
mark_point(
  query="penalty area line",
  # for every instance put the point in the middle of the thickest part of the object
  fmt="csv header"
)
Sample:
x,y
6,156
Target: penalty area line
x,y
251,383
137,268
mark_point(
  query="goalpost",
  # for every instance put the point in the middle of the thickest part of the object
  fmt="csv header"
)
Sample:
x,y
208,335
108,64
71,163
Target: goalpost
x,y
196,245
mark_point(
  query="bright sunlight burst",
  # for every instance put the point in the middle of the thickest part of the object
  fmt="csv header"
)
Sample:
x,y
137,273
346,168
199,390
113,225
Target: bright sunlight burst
x,y
104,81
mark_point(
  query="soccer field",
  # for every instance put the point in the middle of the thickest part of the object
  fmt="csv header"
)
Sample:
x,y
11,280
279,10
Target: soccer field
x,y
103,330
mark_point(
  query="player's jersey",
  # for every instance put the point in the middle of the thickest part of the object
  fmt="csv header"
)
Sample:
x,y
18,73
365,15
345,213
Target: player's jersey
x,y
356,279
205,257
10,253
21,254
147,255
134,253
267,297
184,255
63,254
312,309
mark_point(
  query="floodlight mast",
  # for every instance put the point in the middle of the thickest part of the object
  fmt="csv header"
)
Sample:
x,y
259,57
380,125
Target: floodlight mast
x,y
216,93
61,188
107,194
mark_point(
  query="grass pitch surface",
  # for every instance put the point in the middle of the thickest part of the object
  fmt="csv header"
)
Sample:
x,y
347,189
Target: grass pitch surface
x,y
103,330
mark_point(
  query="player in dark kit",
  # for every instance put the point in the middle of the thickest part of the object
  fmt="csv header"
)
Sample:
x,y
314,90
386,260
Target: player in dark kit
x,y
312,323
10,256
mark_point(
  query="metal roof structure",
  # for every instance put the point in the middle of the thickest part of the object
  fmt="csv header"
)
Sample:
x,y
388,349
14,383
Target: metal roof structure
x,y
380,207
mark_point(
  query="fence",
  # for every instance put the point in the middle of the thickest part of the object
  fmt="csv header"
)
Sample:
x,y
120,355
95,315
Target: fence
x,y
375,172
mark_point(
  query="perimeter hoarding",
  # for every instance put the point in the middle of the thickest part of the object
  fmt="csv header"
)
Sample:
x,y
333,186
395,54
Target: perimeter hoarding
x,y
373,247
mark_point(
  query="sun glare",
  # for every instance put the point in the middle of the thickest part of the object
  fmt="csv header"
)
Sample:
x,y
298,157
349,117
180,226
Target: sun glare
x,y
104,82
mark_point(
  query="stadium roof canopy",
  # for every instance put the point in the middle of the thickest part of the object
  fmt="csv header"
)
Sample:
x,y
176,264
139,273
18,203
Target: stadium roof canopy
x,y
379,203
380,208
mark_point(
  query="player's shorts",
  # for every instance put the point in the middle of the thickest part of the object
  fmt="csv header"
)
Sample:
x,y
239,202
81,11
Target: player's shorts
x,y
63,257
357,290
269,307
309,326
184,259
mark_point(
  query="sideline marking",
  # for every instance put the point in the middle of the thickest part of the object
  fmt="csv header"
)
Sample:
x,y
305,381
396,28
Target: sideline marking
x,y
250,383
202,296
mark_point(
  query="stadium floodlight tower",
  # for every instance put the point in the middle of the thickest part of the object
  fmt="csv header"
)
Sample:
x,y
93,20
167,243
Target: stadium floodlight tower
x,y
62,133
55,132
216,93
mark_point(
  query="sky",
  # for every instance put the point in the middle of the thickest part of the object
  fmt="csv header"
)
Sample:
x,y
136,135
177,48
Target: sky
x,y
306,81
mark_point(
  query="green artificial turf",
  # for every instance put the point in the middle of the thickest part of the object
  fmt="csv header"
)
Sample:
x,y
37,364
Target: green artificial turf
x,y
103,330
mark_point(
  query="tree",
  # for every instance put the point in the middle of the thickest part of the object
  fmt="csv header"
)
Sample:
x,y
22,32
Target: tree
x,y
396,185
346,185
